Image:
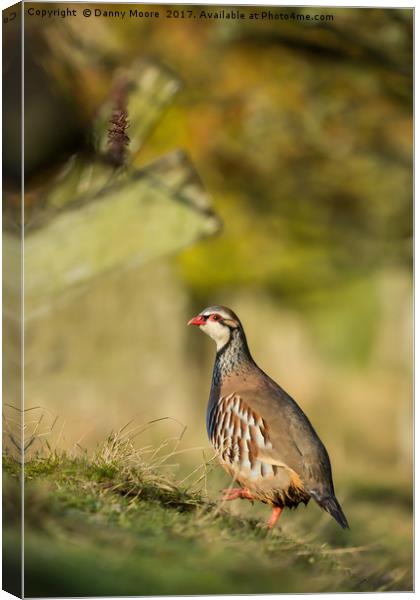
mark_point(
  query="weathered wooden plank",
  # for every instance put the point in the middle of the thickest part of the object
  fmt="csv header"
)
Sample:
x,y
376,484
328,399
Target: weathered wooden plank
x,y
98,213
148,214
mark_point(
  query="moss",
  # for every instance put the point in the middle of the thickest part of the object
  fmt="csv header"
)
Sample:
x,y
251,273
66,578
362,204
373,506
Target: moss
x,y
107,526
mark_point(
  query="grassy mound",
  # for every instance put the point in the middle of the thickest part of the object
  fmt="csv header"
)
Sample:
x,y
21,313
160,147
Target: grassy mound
x,y
111,524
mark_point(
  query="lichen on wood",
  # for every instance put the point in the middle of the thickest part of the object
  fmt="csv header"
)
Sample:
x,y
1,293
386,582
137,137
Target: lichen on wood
x,y
99,213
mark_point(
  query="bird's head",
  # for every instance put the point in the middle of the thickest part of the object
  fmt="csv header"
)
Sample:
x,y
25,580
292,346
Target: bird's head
x,y
218,322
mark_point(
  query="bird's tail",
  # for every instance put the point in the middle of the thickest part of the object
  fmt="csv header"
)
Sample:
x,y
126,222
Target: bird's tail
x,y
332,506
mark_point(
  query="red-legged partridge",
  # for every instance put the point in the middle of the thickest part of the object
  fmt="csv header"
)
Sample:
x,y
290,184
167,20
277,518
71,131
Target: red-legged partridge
x,y
262,438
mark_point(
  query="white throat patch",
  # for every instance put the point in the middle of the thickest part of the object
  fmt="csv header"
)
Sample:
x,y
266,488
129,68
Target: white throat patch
x,y
217,331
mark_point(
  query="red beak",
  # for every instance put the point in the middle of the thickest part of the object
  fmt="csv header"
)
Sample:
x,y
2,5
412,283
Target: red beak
x,y
198,320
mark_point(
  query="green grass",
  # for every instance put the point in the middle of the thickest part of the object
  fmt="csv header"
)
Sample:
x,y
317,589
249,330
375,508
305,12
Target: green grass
x,y
111,524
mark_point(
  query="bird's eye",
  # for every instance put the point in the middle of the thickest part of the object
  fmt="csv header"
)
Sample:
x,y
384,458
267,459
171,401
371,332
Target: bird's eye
x,y
215,317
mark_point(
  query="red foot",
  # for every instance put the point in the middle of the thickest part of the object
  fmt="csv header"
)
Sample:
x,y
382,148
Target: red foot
x,y
277,510
235,493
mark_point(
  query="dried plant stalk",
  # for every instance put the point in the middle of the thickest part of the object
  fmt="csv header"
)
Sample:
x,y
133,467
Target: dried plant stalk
x,y
118,139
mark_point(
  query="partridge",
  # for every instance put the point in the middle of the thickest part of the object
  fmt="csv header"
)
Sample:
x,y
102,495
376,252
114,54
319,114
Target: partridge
x,y
262,437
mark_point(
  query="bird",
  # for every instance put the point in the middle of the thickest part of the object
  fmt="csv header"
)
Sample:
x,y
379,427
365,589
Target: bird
x,y
261,436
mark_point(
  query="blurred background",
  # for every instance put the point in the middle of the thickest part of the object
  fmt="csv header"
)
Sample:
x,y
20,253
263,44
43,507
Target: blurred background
x,y
302,136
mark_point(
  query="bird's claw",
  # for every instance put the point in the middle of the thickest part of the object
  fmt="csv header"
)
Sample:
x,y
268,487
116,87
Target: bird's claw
x,y
237,493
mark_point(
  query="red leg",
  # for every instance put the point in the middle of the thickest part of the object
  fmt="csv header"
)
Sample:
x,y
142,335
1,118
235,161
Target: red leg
x,y
235,493
277,510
